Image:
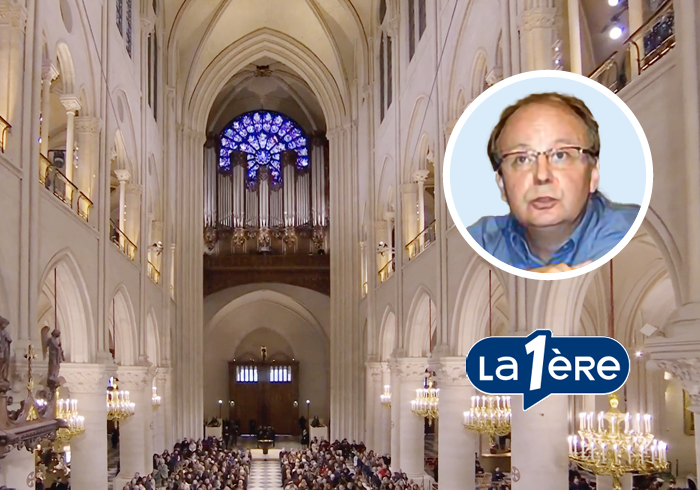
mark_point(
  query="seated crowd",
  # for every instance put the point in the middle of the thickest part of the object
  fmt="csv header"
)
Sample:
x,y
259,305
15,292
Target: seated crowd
x,y
196,465
339,466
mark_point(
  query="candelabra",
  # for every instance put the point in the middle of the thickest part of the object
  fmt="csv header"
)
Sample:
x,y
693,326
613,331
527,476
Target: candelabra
x,y
618,445
155,398
426,402
489,415
386,396
119,406
67,410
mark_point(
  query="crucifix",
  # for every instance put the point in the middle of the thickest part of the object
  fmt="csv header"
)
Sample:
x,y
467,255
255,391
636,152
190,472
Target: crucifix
x,y
30,356
263,352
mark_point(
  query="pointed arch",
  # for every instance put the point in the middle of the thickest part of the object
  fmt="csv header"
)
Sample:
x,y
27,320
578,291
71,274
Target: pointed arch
x,y
73,311
470,318
265,42
479,71
414,140
387,335
122,324
153,348
65,67
421,326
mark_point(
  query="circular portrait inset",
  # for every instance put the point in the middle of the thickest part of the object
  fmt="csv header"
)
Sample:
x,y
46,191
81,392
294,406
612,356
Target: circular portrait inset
x,y
548,172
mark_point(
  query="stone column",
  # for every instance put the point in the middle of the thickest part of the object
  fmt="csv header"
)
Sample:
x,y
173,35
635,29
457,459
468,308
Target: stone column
x,y
72,105
123,176
347,393
17,469
48,75
539,34
13,21
687,370
576,64
87,383
411,371
385,427
133,212
161,414
420,177
373,388
380,232
395,416
87,130
539,444
456,445
409,211
135,437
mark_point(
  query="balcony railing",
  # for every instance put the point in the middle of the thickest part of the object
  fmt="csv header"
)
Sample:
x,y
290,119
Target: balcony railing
x,y
153,273
122,241
4,129
642,49
62,188
416,246
387,271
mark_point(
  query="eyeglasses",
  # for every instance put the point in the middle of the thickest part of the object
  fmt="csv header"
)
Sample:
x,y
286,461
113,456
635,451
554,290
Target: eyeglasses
x,y
557,157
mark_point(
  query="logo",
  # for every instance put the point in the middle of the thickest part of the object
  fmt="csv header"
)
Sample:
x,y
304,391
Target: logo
x,y
541,364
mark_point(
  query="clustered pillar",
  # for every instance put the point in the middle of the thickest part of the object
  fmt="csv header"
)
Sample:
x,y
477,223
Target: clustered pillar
x,y
87,383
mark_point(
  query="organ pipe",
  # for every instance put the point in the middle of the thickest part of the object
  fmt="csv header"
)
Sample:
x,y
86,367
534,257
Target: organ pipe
x,y
318,178
210,191
298,199
264,195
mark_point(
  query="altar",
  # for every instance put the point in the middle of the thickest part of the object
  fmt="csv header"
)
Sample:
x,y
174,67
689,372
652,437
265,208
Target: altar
x,y
319,433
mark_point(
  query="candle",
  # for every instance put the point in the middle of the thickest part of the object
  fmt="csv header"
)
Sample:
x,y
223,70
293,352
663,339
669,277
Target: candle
x,y
581,417
600,421
637,424
627,423
613,425
617,453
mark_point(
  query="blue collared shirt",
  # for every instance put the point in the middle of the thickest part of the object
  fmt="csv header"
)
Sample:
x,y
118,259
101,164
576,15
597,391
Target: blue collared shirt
x,y
604,224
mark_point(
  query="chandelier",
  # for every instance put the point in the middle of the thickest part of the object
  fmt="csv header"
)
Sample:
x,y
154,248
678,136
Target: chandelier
x,y
67,410
155,398
386,396
119,406
489,415
426,402
617,445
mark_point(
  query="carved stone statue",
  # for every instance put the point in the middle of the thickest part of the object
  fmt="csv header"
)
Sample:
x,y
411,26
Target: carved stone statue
x,y
5,352
55,358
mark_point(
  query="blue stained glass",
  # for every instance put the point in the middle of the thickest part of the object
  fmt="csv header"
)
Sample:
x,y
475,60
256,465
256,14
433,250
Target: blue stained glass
x,y
263,136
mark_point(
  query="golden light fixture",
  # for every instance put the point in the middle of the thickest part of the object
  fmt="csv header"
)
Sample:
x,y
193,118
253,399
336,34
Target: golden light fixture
x,y
67,410
155,398
4,128
426,402
619,444
490,415
386,396
119,406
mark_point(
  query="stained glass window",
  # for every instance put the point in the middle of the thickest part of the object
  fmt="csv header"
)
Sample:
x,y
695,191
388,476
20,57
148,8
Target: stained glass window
x,y
263,136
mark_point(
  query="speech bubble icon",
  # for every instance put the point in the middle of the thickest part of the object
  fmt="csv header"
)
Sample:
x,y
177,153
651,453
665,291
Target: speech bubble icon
x,y
541,365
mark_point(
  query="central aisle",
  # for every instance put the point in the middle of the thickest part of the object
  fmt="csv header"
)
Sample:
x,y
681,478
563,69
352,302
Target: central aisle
x,y
265,470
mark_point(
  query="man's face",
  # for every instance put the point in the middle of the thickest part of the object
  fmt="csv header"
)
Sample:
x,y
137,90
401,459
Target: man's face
x,y
544,195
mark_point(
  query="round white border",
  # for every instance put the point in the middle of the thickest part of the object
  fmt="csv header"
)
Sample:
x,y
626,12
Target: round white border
x,y
448,160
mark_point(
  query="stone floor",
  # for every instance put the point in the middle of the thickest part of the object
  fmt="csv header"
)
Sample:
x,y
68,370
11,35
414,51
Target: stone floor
x,y
265,470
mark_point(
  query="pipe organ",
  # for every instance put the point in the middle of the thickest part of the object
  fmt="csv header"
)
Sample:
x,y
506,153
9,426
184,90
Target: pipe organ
x,y
265,188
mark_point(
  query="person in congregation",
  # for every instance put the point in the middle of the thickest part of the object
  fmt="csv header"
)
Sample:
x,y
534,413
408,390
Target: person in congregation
x,y
339,465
